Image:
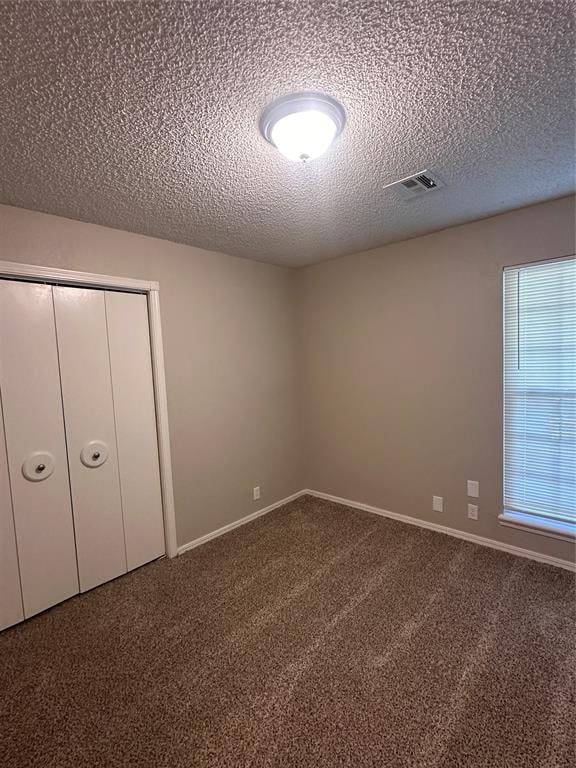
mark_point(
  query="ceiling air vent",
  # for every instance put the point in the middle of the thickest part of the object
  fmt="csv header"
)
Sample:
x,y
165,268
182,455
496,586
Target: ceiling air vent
x,y
417,185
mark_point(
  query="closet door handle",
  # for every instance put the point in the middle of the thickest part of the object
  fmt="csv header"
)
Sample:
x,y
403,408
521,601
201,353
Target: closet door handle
x,y
94,454
38,466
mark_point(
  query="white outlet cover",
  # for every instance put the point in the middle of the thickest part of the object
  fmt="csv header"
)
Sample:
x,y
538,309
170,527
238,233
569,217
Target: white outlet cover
x,y
437,503
473,487
473,511
256,492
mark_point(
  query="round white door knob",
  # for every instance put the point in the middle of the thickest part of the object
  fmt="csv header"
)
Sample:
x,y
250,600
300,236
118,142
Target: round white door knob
x,y
94,454
38,466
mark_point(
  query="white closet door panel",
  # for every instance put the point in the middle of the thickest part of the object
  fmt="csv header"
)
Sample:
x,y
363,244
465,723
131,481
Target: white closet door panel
x,y
11,608
32,406
134,407
90,433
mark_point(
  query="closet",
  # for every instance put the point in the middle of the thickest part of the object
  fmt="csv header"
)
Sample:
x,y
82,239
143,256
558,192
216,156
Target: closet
x,y
80,496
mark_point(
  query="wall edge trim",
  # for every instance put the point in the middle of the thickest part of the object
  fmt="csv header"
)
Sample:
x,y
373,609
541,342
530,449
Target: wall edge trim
x,y
454,532
237,523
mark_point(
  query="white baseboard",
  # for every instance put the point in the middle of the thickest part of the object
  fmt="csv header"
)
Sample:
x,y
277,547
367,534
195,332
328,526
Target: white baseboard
x,y
492,543
242,521
510,548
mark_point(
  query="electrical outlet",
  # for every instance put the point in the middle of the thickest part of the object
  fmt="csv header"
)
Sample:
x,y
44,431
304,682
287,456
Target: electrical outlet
x,y
473,487
256,493
437,503
473,511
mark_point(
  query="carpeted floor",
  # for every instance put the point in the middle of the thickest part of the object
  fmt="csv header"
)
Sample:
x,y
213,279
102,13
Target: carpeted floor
x,y
316,637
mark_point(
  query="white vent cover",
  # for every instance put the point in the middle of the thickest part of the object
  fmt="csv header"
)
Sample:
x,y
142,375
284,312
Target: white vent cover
x,y
418,184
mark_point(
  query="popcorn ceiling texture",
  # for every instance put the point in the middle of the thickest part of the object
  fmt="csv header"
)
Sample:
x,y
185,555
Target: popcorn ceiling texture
x,y
144,116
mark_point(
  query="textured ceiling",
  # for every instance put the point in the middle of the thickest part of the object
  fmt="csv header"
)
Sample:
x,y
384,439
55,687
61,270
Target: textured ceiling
x,y
143,116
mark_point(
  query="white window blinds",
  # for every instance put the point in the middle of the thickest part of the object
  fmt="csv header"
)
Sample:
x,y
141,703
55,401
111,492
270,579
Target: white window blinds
x,y
540,394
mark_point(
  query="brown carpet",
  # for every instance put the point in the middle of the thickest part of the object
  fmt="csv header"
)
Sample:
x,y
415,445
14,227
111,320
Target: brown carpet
x,y
316,637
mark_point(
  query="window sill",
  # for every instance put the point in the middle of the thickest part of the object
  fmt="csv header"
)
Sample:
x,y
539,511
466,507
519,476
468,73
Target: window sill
x,y
551,528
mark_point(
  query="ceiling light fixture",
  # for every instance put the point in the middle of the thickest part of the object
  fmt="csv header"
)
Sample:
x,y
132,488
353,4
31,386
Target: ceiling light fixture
x,y
303,125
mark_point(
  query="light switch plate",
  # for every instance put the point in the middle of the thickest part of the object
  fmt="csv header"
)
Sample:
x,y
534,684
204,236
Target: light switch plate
x,y
256,493
473,488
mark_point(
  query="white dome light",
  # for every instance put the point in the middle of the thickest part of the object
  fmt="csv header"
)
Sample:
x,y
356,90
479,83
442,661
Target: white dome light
x,y
302,126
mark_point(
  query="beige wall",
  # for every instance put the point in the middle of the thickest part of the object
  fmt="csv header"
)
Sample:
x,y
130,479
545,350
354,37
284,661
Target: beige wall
x,y
376,377
229,344
401,356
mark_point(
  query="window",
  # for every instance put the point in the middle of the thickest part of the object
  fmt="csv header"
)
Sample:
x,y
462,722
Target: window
x,y
540,397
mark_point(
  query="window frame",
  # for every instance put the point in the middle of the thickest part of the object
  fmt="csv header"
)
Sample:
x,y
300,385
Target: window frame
x,y
525,521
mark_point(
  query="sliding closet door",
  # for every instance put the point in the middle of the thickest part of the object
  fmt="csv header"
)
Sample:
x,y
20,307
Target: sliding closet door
x,y
90,432
11,609
32,407
131,366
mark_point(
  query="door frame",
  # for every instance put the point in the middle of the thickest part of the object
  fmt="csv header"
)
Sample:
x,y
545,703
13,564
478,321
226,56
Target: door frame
x,y
54,276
